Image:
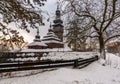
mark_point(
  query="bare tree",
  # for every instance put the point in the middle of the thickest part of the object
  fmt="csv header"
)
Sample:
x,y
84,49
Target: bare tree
x,y
104,16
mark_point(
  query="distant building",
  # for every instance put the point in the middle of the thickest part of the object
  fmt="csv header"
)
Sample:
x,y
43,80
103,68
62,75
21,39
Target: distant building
x,y
54,37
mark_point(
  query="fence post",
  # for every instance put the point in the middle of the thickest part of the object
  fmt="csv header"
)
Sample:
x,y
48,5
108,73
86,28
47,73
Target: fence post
x,y
75,63
96,56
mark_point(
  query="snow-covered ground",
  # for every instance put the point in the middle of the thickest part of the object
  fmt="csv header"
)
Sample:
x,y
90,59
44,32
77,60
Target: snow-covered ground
x,y
95,73
113,60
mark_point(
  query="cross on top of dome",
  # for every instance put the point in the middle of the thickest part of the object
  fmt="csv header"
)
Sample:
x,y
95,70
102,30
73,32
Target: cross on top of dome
x,y
37,36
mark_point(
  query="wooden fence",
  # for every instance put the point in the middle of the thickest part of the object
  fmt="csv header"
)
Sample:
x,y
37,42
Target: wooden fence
x,y
11,66
8,57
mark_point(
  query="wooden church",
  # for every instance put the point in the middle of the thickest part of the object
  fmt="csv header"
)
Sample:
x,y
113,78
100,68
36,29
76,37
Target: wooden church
x,y
54,37
37,43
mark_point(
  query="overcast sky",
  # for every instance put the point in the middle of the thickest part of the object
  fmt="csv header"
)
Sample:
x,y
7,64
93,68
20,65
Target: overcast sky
x,y
50,6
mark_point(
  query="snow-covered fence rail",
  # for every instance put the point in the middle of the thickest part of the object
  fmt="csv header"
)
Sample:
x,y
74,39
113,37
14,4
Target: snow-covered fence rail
x,y
84,62
20,66
6,57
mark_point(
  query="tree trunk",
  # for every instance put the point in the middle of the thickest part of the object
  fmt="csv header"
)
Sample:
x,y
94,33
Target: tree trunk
x,y
102,47
75,44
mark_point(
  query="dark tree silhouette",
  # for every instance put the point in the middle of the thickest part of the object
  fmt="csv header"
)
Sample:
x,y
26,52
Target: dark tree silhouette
x,y
24,13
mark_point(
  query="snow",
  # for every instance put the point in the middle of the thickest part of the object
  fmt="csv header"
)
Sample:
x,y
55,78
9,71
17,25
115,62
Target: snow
x,y
95,73
37,43
53,55
50,34
113,60
52,41
50,37
43,50
25,59
68,55
115,40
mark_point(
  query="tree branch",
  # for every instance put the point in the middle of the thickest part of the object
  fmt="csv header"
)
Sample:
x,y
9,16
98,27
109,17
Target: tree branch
x,y
104,14
111,38
113,14
86,15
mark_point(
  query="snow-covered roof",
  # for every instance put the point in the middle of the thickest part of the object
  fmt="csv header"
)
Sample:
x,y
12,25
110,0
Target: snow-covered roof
x,y
51,34
36,39
53,41
39,43
51,38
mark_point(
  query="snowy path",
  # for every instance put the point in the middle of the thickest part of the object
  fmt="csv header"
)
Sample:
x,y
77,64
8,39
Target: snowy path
x,y
92,74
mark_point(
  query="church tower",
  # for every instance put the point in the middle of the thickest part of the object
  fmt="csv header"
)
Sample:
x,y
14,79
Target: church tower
x,y
57,26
